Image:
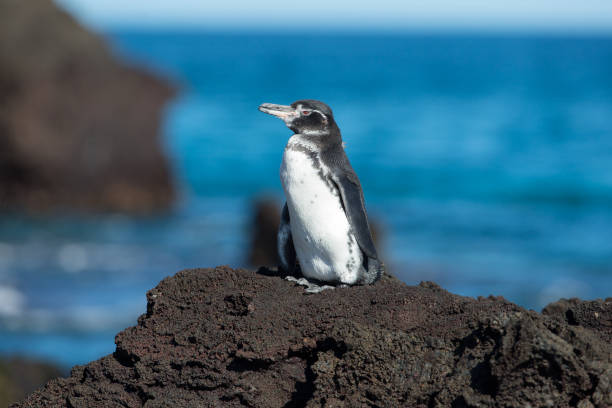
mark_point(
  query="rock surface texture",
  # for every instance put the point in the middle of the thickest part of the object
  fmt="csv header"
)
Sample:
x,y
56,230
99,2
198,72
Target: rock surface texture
x,y
224,337
77,128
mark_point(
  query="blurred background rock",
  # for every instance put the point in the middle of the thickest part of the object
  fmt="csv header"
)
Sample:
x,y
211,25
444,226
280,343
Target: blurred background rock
x,y
78,129
21,376
483,142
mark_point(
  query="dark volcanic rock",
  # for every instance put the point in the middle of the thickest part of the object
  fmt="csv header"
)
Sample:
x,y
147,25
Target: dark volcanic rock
x,y
77,129
223,337
592,314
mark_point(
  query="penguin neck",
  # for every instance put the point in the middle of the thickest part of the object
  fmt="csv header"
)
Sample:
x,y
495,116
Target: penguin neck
x,y
320,139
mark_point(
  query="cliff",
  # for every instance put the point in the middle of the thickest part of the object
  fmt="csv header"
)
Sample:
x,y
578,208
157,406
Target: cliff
x,y
225,337
78,129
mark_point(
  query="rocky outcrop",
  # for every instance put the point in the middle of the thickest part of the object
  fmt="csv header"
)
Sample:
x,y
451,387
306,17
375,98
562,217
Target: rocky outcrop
x,y
77,128
595,315
224,337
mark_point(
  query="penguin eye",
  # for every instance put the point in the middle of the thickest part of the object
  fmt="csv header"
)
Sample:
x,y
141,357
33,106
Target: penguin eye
x,y
306,112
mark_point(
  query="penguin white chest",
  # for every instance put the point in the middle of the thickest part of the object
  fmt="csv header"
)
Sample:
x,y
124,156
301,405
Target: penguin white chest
x,y
324,243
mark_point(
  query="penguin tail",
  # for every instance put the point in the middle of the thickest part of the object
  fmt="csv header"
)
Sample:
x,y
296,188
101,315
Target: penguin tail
x,y
372,272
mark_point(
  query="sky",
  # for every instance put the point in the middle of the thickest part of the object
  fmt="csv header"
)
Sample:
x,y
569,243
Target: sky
x,y
516,15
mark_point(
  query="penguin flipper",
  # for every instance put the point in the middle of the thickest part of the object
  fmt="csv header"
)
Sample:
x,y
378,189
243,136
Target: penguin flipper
x,y
286,250
354,207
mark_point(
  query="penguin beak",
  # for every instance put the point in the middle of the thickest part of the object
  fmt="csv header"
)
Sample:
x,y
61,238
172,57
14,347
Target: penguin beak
x,y
284,112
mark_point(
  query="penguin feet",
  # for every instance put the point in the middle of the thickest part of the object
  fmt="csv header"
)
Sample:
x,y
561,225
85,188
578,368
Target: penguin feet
x,y
310,286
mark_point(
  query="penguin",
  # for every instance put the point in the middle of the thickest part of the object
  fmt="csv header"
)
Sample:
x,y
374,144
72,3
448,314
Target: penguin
x,y
324,225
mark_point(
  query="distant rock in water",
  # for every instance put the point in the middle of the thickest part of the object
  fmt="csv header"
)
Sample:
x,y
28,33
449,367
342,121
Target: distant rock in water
x,y
225,337
78,129
264,228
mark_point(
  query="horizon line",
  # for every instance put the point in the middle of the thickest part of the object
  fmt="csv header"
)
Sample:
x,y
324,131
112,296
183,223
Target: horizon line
x,y
354,29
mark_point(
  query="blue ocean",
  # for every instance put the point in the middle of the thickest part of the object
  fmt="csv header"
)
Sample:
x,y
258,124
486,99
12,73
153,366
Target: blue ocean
x,y
486,160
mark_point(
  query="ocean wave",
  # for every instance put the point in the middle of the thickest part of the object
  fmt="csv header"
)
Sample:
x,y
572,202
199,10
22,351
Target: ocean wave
x,y
11,302
563,288
81,319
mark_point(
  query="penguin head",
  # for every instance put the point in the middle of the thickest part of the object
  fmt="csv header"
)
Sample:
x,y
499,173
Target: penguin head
x,y
307,116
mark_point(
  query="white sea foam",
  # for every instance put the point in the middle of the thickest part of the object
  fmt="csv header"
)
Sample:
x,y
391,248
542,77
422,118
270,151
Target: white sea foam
x,y
94,318
563,288
12,302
